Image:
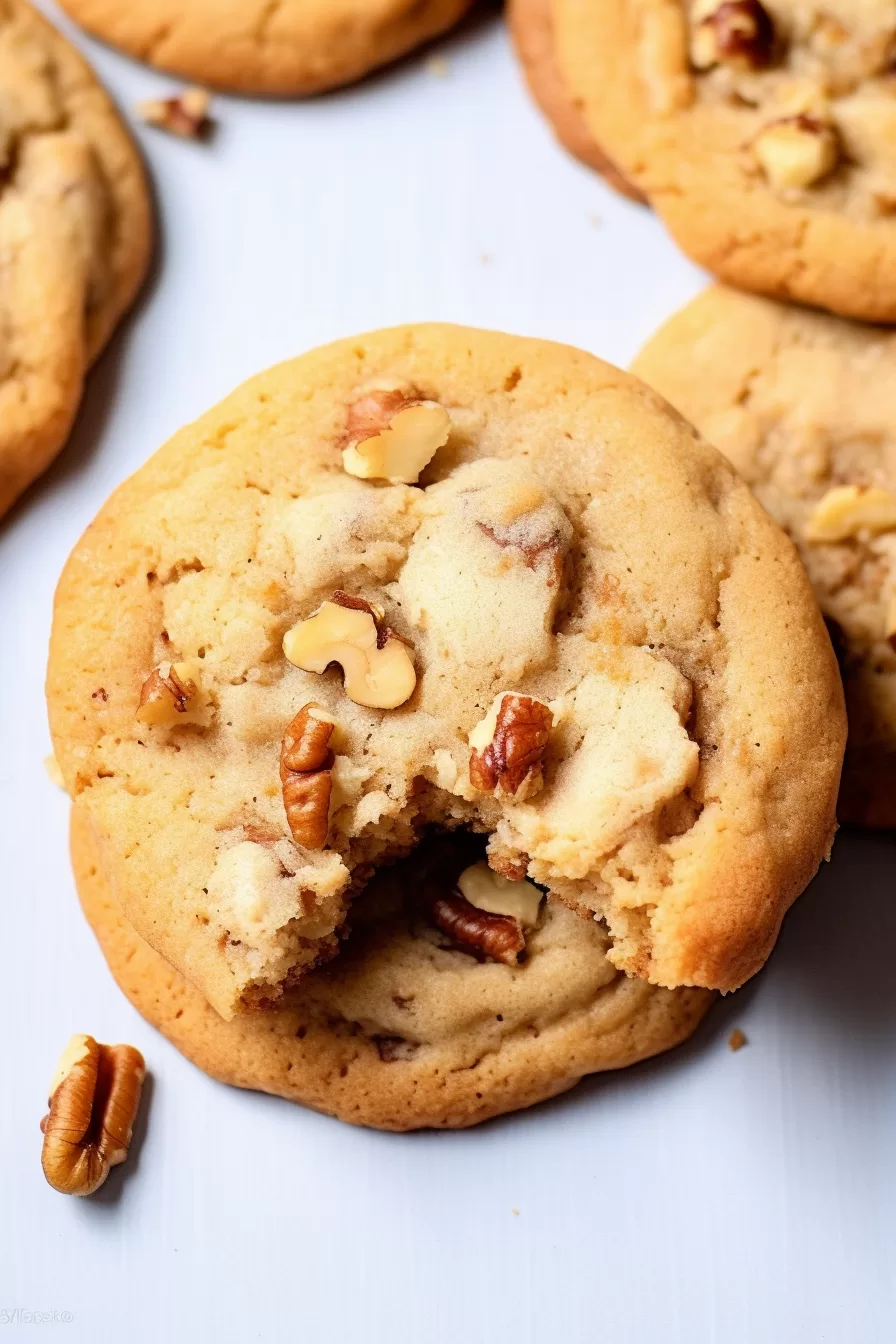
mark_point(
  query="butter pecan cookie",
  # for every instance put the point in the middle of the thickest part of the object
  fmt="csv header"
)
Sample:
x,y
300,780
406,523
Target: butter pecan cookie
x,y
761,131
441,577
288,47
75,237
408,1028
804,405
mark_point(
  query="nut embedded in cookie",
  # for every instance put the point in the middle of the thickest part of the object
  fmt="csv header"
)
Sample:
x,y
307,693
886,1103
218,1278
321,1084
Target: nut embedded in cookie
x,y
306,775
508,746
797,151
392,435
377,668
736,32
172,695
489,913
847,511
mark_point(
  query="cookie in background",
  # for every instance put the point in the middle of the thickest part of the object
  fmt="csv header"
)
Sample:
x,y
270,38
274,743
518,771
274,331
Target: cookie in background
x,y
760,132
291,49
75,237
804,405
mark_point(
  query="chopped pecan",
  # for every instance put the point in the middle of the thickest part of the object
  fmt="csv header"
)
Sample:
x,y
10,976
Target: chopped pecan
x,y
378,671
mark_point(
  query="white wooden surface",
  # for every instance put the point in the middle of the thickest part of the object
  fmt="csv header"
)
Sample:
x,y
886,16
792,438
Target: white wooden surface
x,y
744,1199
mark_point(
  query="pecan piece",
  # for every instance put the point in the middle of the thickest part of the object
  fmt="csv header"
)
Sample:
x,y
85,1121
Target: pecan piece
x,y
94,1097
306,763
508,746
497,936
185,114
392,434
737,32
171,695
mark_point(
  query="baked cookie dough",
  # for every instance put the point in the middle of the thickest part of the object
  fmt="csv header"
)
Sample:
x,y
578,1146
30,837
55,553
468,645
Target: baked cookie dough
x,y
532,30
75,237
762,133
287,48
578,633
804,405
404,1030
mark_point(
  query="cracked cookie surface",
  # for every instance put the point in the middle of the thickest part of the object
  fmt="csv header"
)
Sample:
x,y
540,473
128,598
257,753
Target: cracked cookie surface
x,y
275,47
770,159
573,544
404,1031
804,405
74,237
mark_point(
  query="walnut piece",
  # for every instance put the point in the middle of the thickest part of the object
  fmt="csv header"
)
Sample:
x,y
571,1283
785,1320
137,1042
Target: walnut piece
x,y
186,114
508,746
94,1098
497,895
172,695
797,151
497,936
846,511
378,670
737,32
306,763
392,435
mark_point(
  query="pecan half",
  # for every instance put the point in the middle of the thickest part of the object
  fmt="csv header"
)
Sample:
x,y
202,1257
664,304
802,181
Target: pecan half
x,y
94,1099
508,746
306,763
738,32
497,936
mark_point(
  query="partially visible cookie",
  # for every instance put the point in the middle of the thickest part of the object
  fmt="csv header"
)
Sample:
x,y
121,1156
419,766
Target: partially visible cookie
x,y
405,1030
435,576
75,237
761,132
532,30
289,48
804,405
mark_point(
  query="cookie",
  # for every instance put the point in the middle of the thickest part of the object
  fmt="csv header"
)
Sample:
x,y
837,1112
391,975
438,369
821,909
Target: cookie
x,y
532,30
434,576
294,47
75,237
405,1030
760,132
804,405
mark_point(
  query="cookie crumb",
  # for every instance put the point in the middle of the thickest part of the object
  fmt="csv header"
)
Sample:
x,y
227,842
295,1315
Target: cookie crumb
x,y
438,67
596,220
186,114
515,1212
485,258
737,1040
